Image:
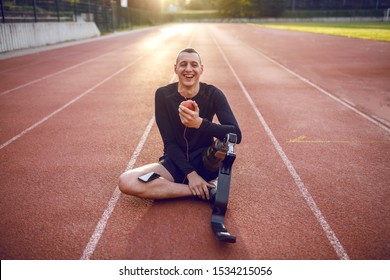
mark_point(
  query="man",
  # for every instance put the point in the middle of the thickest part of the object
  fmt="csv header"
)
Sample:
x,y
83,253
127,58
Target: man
x,y
191,156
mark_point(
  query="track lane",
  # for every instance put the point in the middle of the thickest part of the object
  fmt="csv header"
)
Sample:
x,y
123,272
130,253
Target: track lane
x,y
65,169
69,163
47,115
341,177
249,207
350,80
48,94
342,254
264,201
24,70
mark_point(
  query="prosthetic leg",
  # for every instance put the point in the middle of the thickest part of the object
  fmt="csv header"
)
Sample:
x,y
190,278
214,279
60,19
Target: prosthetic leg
x,y
222,195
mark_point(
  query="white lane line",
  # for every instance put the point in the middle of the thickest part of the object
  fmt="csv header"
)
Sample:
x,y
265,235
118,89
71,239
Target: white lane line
x,y
347,104
57,73
69,103
101,225
107,37
381,120
340,251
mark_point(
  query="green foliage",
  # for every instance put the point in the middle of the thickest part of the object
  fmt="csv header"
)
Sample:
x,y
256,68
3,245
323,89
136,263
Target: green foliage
x,y
145,5
201,5
233,8
192,15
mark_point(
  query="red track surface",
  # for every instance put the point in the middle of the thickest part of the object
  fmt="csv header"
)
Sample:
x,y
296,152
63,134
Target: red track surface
x,y
312,177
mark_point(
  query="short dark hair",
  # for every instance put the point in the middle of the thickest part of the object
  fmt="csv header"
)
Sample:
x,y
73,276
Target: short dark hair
x,y
188,50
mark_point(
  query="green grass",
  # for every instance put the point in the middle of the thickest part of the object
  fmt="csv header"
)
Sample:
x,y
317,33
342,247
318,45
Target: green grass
x,y
364,30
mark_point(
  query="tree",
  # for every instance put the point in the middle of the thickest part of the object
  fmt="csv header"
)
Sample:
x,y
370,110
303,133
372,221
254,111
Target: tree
x,y
145,5
233,8
202,4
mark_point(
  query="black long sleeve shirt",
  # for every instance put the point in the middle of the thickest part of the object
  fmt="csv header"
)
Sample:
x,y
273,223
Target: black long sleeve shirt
x,y
175,135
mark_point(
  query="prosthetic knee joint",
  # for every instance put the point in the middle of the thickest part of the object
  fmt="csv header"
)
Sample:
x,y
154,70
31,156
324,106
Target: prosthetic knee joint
x,y
216,153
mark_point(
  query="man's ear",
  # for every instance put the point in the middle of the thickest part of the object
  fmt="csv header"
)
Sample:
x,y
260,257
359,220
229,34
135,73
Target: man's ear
x,y
174,68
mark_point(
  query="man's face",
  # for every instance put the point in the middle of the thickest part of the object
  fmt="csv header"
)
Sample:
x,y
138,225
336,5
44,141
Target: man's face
x,y
188,69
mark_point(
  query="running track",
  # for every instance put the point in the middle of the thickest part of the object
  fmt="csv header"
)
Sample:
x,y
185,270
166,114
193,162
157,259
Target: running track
x,y
312,177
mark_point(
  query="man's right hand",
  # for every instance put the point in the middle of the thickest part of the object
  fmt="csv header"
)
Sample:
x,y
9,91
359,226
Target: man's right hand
x,y
189,117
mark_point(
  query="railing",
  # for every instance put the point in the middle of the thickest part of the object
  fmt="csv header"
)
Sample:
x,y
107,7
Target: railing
x,y
107,15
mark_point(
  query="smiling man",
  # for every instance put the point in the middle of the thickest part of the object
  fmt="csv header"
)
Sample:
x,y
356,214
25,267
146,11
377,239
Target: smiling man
x,y
193,149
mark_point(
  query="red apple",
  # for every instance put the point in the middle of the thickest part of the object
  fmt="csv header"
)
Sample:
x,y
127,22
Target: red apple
x,y
189,104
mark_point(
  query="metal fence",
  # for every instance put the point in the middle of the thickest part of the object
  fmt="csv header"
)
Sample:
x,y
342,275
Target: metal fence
x,y
107,14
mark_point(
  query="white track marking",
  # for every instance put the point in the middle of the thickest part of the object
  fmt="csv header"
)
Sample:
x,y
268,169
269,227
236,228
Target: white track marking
x,y
16,53
347,104
101,225
340,251
73,100
97,234
69,103
381,120
57,73
74,66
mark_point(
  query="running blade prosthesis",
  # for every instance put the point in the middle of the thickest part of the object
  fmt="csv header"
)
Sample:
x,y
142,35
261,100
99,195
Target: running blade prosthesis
x,y
222,195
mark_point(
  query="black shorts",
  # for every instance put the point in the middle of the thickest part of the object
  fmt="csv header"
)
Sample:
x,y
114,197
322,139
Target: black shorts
x,y
196,162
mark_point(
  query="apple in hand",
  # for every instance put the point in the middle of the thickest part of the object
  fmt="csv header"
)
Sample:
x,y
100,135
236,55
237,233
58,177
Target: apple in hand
x,y
189,104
